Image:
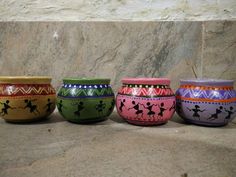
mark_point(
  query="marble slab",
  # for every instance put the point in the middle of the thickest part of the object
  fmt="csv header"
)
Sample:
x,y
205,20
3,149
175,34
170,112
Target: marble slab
x,y
219,56
118,49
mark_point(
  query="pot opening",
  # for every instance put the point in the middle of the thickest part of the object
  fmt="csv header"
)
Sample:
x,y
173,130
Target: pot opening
x,y
146,81
86,81
207,82
25,79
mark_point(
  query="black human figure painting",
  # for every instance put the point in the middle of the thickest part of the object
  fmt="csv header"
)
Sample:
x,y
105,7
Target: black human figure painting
x,y
137,108
230,112
48,105
215,115
32,108
112,105
100,107
149,107
60,106
5,108
122,104
80,107
162,110
178,107
172,107
196,111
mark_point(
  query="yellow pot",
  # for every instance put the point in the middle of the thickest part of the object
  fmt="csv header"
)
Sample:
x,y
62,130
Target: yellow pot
x,y
25,99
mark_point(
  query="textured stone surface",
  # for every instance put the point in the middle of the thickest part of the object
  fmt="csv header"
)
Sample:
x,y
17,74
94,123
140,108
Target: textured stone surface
x,y
115,148
118,49
93,10
219,56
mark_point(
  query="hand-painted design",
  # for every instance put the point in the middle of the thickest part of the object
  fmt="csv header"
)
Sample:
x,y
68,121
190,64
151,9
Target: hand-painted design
x,y
162,110
146,92
26,89
5,108
86,86
60,106
100,106
32,108
122,104
206,87
89,92
149,107
230,112
215,115
112,105
178,107
136,107
48,105
196,111
146,86
206,94
80,107
172,107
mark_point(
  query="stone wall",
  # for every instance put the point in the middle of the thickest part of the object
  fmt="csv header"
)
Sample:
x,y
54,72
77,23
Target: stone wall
x,y
119,49
106,10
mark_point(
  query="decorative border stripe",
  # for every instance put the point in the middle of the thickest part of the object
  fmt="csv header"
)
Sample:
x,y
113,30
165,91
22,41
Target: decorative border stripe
x,y
145,86
25,96
206,99
157,96
206,87
80,86
102,96
146,98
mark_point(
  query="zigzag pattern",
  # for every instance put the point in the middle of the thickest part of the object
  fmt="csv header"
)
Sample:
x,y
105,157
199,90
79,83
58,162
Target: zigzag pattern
x,y
207,94
73,92
145,91
26,90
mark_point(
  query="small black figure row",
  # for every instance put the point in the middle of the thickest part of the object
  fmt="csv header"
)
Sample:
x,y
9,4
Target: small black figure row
x,y
80,106
29,104
214,116
148,106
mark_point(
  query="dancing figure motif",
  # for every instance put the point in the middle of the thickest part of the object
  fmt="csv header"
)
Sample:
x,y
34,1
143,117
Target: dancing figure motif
x,y
32,108
137,108
5,108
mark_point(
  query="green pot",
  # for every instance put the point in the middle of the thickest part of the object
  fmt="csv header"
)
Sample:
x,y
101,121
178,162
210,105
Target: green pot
x,y
84,100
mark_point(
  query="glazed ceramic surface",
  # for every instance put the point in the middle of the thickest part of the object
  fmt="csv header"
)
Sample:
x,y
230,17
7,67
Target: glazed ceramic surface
x,y
24,99
145,101
206,102
85,100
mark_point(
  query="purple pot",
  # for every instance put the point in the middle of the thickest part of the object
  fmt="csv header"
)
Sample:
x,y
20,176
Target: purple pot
x,y
206,102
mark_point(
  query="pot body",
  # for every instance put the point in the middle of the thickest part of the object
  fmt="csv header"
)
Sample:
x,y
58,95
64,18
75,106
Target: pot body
x,y
206,102
25,99
85,100
145,101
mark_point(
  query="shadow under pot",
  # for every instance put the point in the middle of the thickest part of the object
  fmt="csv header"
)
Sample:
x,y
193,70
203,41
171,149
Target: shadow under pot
x,y
206,102
145,101
26,99
82,100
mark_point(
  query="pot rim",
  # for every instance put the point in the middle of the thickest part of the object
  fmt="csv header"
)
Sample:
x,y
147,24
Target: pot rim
x,y
148,81
25,80
207,82
86,81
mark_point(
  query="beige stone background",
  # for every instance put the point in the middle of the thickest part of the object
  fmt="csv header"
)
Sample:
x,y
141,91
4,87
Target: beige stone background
x,y
116,39
106,10
173,49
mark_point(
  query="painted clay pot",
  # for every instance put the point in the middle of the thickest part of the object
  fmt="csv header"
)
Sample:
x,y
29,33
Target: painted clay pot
x,y
25,99
145,101
82,100
206,102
